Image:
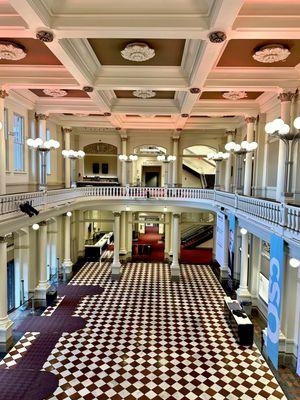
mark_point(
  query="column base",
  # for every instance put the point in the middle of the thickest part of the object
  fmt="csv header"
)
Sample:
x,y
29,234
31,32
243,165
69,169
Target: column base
x,y
243,294
224,272
115,271
6,326
175,272
123,252
41,290
67,265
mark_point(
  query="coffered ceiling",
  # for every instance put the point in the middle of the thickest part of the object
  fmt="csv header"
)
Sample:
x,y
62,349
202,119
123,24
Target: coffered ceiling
x,y
190,70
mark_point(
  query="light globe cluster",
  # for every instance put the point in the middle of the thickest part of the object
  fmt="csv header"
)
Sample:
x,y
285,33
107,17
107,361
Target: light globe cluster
x,y
131,157
164,158
38,143
278,127
244,147
73,154
220,156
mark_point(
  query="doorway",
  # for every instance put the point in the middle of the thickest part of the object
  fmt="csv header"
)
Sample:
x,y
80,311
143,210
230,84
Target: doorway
x,y
151,176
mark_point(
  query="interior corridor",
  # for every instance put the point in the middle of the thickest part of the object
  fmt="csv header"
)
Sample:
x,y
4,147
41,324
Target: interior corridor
x,y
144,338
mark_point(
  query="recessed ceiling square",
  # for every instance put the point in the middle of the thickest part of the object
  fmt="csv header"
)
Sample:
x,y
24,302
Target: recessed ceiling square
x,y
70,93
167,51
219,95
128,94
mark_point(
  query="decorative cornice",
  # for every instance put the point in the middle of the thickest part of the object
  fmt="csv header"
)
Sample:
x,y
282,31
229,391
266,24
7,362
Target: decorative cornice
x,y
45,36
250,120
286,96
3,93
41,117
217,37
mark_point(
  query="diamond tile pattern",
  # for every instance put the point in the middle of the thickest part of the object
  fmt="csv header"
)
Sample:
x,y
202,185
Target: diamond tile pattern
x,y
148,338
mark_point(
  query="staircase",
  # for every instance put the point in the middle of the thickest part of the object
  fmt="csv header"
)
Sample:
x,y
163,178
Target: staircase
x,y
196,235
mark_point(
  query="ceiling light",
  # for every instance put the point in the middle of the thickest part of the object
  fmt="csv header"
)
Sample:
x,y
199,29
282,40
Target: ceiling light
x,y
69,214
144,94
294,263
165,209
137,52
35,227
127,208
55,92
234,95
11,51
271,53
229,146
297,123
243,231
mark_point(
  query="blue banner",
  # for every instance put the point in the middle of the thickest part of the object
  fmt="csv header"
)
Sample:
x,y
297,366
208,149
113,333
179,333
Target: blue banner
x,y
231,244
275,297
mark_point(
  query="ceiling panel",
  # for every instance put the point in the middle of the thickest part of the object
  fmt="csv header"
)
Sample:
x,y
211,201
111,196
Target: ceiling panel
x,y
128,94
70,93
218,95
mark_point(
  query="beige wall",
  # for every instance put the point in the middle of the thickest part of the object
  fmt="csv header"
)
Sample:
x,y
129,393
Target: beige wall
x,y
107,159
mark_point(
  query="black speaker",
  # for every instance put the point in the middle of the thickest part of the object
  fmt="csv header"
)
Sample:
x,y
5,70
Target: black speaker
x,y
104,168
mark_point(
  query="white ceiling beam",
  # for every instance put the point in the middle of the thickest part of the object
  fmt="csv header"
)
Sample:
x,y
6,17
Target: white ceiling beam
x,y
147,106
223,107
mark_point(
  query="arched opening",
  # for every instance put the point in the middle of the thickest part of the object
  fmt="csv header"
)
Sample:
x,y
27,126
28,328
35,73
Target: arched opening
x,y
147,170
100,164
197,170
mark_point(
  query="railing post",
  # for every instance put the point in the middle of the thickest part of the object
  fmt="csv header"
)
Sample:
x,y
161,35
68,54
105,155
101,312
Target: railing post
x,y
284,214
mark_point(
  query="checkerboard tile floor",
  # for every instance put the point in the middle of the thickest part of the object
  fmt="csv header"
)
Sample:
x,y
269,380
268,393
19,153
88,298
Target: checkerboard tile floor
x,y
148,338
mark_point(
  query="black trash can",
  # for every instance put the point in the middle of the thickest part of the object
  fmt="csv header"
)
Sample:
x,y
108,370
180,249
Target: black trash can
x,y
51,296
247,307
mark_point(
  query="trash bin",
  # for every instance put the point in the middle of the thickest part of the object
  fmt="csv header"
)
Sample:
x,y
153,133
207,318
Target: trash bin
x,y
247,307
51,296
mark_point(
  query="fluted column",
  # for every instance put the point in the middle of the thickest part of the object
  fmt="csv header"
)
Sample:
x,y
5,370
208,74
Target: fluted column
x,y
249,163
175,267
129,233
43,285
21,257
67,262
242,291
176,162
52,232
285,114
167,234
42,125
116,265
67,137
224,267
123,233
230,136
3,94
81,233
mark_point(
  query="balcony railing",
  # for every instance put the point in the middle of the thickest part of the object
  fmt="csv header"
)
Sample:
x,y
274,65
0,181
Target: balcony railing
x,y
275,213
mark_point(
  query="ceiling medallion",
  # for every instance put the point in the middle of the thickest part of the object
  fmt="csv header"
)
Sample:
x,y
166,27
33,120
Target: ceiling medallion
x,y
217,37
195,90
144,94
11,51
137,52
55,92
88,89
271,53
45,36
234,95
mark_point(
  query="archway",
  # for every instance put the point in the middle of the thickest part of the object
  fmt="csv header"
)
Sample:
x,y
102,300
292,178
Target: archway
x,y
197,170
147,170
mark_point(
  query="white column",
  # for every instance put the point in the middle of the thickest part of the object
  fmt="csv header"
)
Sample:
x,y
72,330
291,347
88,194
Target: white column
x,y
285,114
5,323
81,233
42,125
43,285
116,265
67,262
167,234
176,162
242,291
21,257
52,232
3,94
129,233
248,164
175,267
123,233
124,164
224,267
230,135
67,132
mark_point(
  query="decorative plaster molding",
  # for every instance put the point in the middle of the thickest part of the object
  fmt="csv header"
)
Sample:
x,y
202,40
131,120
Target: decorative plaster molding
x,y
144,93
137,52
88,89
250,120
45,36
67,129
195,90
107,114
11,51
55,92
217,37
41,117
3,94
286,96
271,53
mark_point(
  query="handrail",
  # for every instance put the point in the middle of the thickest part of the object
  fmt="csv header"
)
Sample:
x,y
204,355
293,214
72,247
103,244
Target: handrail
x,y
273,212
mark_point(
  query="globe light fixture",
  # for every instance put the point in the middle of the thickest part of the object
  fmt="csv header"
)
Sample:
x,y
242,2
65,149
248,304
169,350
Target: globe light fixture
x,y
243,231
73,156
35,227
69,214
294,262
43,147
289,135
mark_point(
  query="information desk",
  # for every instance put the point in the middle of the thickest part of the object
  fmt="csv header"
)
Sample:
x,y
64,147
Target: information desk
x,y
241,327
95,250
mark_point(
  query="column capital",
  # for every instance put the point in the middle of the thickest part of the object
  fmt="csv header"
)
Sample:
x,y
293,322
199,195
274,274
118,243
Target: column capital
x,y
250,120
117,214
176,215
40,116
43,223
176,136
123,137
3,239
3,94
66,129
286,96
230,132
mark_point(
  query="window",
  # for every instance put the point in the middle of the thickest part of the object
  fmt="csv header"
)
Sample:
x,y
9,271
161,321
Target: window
x,y
48,157
6,135
18,143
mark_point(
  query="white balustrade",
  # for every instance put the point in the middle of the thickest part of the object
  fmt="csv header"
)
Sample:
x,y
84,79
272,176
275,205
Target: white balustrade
x,y
273,212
